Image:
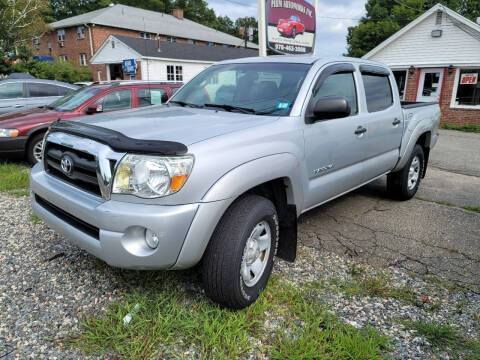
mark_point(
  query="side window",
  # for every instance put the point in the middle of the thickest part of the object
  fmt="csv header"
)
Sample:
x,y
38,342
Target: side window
x,y
147,97
340,84
378,92
42,90
11,90
117,100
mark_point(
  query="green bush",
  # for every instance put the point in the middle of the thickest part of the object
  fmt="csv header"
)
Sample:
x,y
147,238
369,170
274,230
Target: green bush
x,y
61,71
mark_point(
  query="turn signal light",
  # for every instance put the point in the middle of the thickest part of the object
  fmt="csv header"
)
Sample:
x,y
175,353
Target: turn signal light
x,y
177,182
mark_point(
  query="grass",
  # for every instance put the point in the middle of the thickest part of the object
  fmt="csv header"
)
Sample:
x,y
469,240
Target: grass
x,y
446,338
14,178
377,286
466,128
445,203
170,320
35,219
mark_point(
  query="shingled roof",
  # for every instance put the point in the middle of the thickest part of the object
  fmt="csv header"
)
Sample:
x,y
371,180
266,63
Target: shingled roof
x,y
127,17
181,51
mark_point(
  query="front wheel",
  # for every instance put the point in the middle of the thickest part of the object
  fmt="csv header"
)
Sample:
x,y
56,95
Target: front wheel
x,y
294,32
239,258
403,184
34,149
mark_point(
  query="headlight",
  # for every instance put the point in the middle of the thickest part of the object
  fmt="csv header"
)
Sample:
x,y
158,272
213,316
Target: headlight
x,y
8,132
151,176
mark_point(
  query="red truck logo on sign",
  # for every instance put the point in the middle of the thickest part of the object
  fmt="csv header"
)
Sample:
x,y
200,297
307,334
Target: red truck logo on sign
x,y
469,79
290,26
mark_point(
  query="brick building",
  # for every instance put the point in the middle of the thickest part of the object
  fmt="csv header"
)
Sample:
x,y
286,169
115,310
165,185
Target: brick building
x,y
78,38
437,58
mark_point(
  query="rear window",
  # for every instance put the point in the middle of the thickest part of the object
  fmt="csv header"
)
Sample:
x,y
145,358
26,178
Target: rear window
x,y
378,92
147,97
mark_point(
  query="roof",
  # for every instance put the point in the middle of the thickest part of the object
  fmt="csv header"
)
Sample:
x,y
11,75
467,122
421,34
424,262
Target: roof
x,y
303,59
20,76
43,81
458,19
127,17
180,51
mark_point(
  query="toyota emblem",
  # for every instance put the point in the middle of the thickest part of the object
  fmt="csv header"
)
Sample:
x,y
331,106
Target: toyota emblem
x,y
66,164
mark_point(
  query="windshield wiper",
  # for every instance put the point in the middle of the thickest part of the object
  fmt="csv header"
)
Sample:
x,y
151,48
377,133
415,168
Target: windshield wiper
x,y
232,108
183,104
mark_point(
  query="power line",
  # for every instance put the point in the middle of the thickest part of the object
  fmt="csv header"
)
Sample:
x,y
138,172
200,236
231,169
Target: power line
x,y
409,7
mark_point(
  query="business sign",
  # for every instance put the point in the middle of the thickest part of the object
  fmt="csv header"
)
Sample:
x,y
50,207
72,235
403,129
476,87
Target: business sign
x,y
129,67
290,26
469,79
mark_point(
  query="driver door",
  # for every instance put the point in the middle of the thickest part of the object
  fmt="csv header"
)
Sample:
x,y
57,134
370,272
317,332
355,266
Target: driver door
x,y
335,148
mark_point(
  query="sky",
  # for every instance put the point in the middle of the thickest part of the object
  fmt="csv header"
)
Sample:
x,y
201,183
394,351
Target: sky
x,y
331,33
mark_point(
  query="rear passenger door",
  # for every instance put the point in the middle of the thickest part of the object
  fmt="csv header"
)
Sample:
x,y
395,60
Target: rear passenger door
x,y
40,94
384,120
335,148
12,96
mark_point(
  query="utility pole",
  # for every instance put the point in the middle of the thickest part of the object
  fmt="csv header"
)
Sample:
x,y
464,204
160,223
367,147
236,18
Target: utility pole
x,y
262,28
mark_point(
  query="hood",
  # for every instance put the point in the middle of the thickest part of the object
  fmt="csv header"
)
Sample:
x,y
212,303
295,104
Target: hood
x,y
171,123
20,118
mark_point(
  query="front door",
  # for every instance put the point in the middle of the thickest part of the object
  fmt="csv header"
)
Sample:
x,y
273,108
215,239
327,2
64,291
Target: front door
x,y
334,148
430,85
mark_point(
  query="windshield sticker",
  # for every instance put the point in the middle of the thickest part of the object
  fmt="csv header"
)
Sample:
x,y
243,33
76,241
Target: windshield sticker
x,y
283,105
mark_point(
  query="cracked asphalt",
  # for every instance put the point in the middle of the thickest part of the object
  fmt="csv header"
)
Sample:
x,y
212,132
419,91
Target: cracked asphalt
x,y
430,234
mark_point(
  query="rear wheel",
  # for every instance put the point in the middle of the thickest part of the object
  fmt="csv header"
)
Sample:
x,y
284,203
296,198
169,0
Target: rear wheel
x,y
403,184
239,258
34,149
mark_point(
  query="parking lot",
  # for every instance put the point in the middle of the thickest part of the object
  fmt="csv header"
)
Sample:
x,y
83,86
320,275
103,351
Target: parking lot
x,y
429,244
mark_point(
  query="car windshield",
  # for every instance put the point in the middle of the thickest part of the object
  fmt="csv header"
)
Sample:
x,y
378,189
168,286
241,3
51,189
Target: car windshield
x,y
259,88
75,99
294,18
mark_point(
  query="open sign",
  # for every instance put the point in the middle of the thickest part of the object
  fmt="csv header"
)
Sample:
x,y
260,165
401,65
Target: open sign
x,y
469,79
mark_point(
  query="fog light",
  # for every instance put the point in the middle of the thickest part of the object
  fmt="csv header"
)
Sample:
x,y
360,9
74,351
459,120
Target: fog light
x,y
151,239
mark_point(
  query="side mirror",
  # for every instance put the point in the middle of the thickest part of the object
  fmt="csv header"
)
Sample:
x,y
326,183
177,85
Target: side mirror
x,y
330,107
95,108
164,98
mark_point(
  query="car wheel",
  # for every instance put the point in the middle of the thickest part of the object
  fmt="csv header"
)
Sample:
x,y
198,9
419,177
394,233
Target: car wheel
x,y
294,32
239,258
34,149
403,184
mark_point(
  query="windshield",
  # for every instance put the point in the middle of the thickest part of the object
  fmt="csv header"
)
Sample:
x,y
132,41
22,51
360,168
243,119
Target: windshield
x,y
75,99
260,88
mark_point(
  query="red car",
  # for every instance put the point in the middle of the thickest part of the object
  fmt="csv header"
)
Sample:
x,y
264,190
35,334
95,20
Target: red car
x,y
291,27
21,133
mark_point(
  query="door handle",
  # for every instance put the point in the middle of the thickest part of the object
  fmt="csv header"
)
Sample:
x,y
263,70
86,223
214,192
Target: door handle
x,y
360,130
396,122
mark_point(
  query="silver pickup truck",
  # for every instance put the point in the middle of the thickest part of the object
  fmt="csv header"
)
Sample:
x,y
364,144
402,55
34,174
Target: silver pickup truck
x,y
219,175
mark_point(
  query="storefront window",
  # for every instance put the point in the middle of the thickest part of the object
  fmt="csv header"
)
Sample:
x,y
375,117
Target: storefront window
x,y
468,91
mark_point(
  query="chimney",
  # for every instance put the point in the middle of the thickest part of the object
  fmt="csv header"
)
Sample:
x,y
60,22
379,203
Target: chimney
x,y
178,13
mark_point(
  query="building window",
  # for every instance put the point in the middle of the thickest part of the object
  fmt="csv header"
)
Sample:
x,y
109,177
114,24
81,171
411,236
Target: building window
x,y
36,41
210,43
113,44
63,58
192,41
178,73
83,59
468,88
145,35
171,39
81,32
170,73
401,78
61,35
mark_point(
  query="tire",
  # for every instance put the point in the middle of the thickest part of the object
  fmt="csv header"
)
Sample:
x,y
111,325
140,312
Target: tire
x,y
34,145
227,276
403,184
294,32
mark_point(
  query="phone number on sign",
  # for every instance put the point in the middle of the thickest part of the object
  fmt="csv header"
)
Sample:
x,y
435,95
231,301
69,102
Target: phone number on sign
x,y
291,48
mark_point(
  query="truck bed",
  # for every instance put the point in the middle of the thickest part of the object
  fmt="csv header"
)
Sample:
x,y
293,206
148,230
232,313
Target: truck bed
x,y
415,104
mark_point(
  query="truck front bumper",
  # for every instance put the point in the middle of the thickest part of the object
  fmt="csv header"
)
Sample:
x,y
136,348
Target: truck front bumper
x,y
115,231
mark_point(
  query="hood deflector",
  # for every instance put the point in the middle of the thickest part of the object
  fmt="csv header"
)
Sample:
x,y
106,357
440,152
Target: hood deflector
x,y
118,141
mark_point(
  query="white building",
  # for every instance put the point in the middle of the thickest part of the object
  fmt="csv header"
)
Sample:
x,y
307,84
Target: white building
x,y
437,58
159,60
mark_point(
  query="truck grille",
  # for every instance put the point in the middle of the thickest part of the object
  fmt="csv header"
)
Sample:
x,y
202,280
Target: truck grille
x,y
75,167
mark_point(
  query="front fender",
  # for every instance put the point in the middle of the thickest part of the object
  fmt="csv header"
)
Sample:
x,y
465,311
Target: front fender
x,y
259,171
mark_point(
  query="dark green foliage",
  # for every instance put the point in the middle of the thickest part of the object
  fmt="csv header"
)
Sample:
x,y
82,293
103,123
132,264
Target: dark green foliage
x,y
61,71
385,17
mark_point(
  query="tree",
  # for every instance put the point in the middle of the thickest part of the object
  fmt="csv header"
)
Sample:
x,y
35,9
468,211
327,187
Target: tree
x,y
386,17
20,22
246,23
